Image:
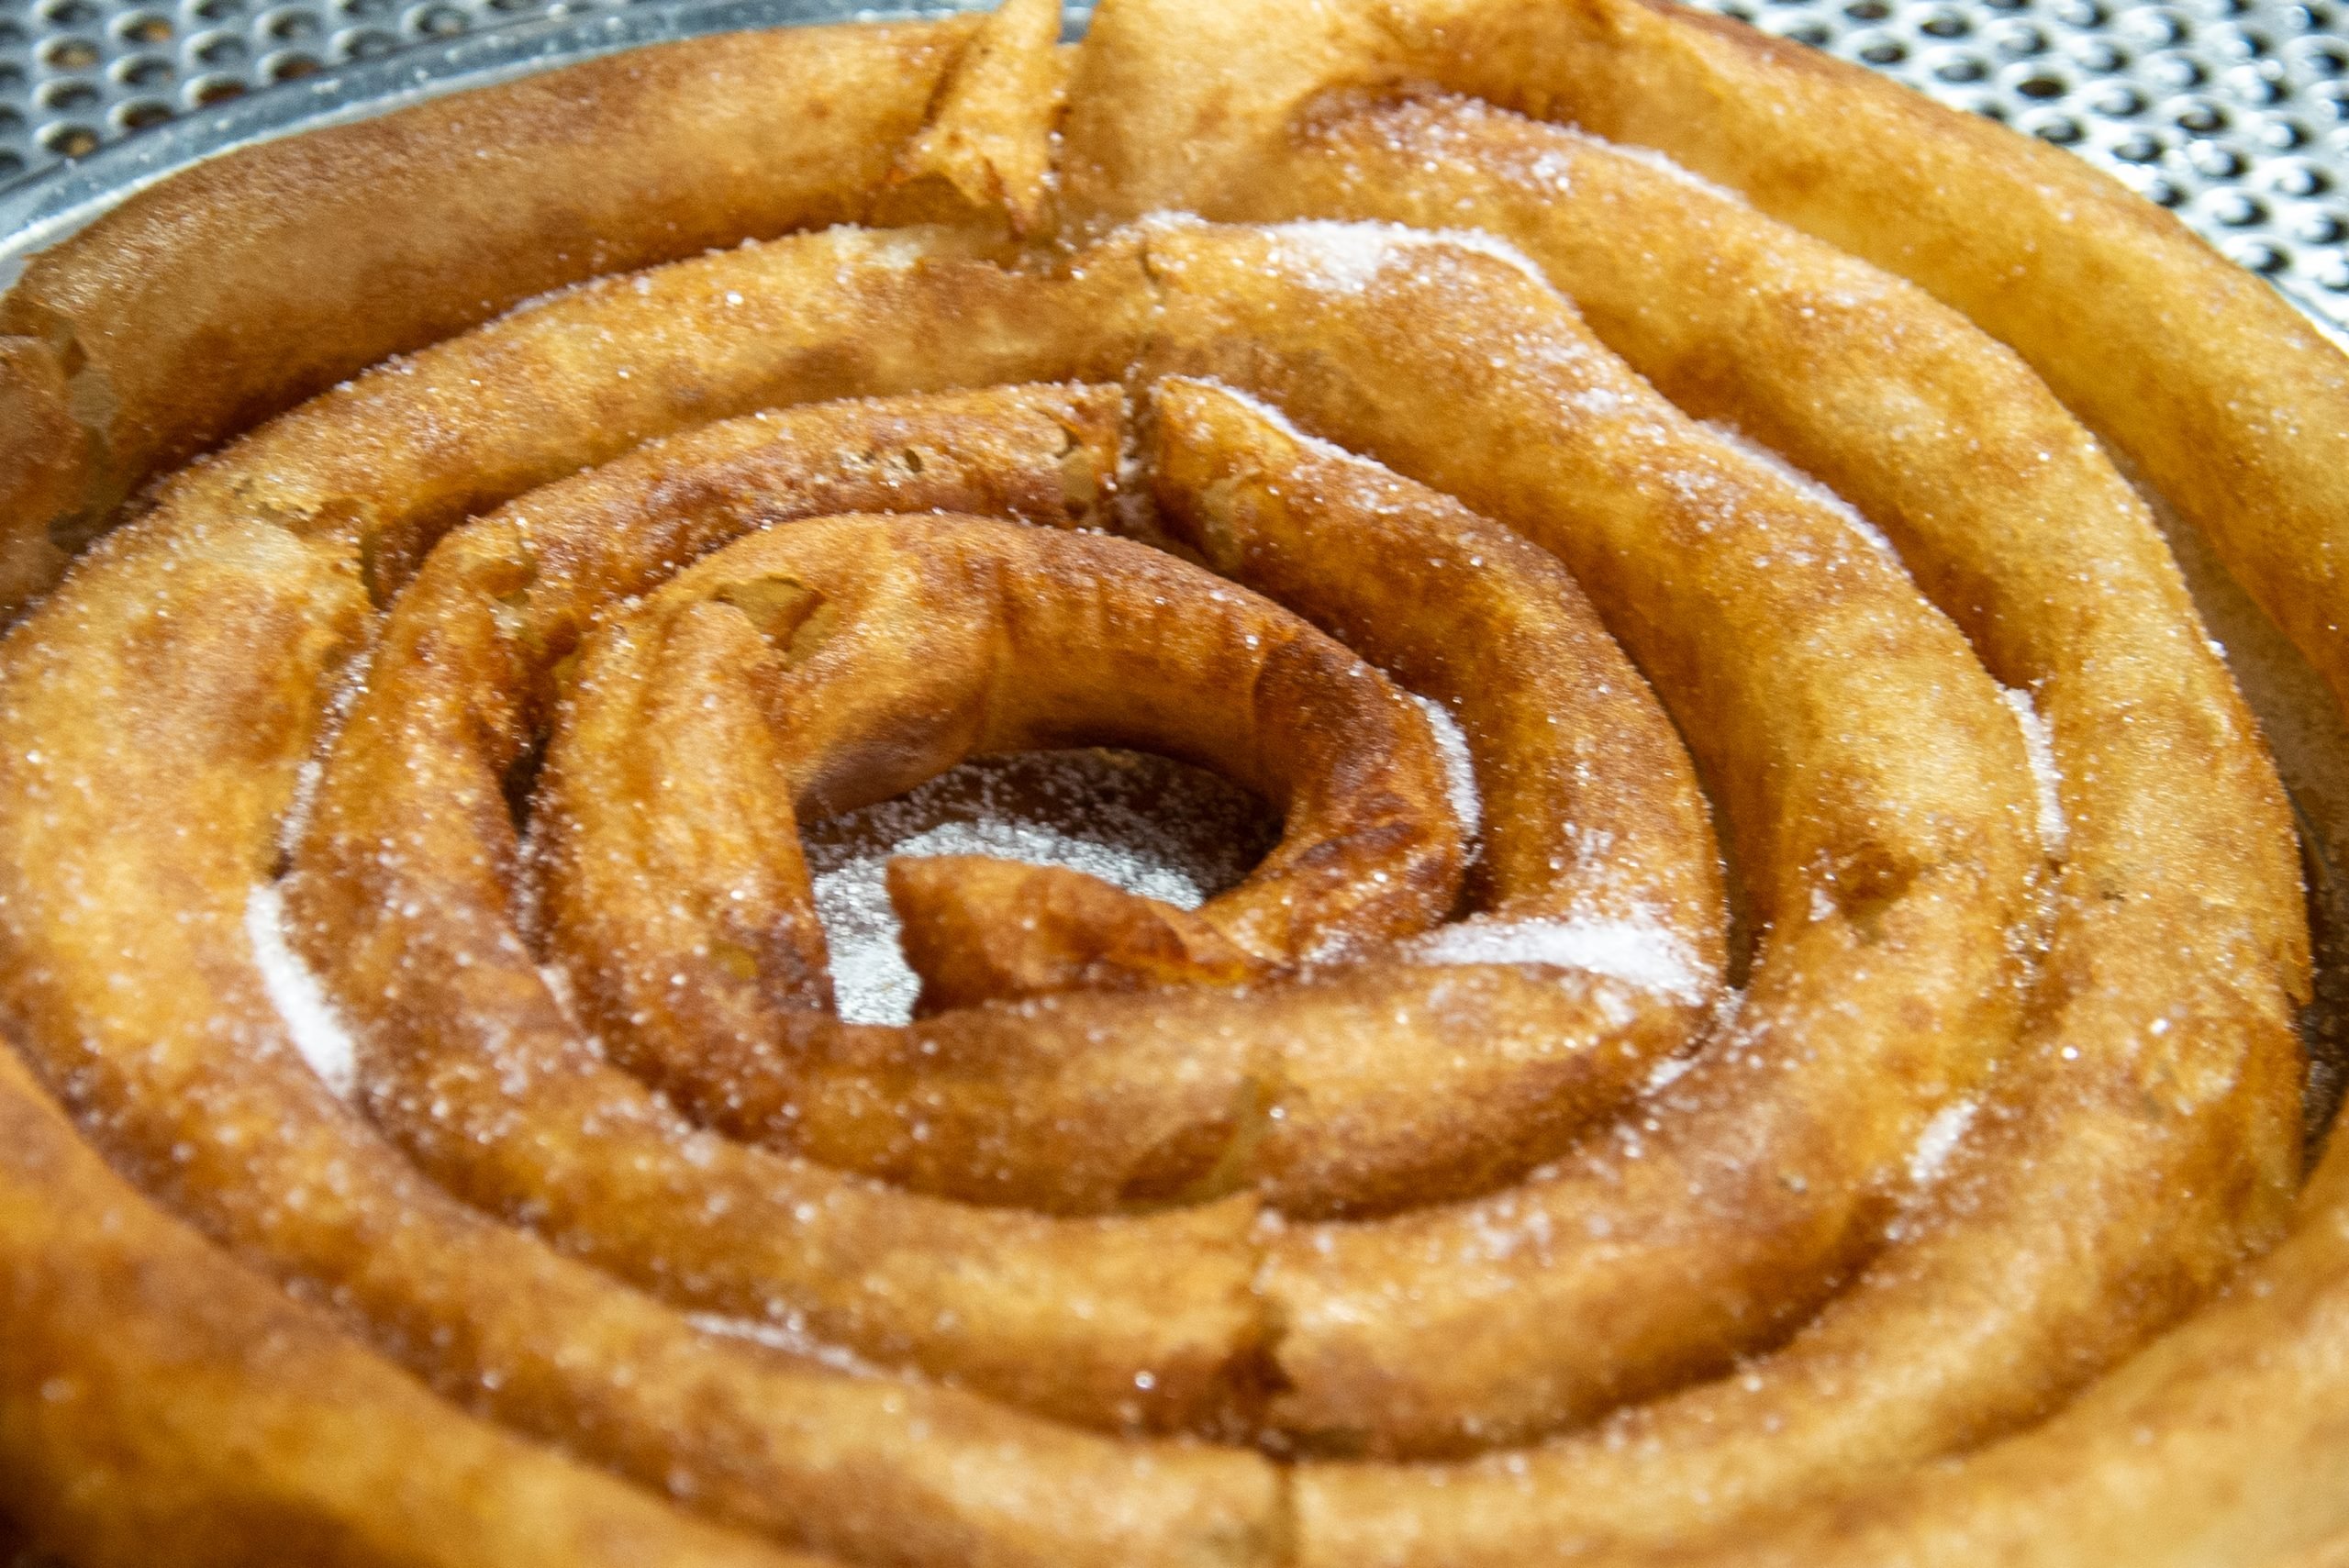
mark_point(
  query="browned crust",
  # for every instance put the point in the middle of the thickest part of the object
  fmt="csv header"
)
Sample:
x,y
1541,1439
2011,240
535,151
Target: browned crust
x,y
2009,517
197,1089
978,930
2241,417
44,462
2235,406
2220,1444
987,150
237,288
152,1393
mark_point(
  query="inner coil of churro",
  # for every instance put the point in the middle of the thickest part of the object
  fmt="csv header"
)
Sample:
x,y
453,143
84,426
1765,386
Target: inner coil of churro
x,y
1306,816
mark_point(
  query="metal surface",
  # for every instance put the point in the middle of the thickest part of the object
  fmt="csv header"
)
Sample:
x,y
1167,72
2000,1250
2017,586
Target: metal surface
x,y
2234,112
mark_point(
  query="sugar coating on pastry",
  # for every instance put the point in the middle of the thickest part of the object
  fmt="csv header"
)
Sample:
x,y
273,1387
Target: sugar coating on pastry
x,y
870,976
316,1029
2046,776
1074,809
1459,767
1940,1140
1171,1234
1642,953
1811,488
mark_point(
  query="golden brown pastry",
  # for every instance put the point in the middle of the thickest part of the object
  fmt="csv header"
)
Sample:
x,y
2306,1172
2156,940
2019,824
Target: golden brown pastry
x,y
1808,1075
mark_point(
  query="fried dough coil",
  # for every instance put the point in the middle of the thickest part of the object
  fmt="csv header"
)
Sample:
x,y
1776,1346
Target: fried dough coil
x,y
1804,354
2233,406
1424,1198
1071,1102
986,152
1902,878
397,860
151,1391
193,1084
212,302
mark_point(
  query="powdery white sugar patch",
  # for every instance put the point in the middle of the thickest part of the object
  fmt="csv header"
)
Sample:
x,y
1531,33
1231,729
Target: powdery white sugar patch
x,y
1639,952
1940,1140
782,1337
898,251
319,1031
1459,767
1664,165
1343,258
1488,245
2039,747
871,979
1278,416
1165,220
1346,258
1809,488
1668,1073
297,811
1144,823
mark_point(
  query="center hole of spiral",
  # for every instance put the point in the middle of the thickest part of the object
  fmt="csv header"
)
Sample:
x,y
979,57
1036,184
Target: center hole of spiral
x,y
1146,823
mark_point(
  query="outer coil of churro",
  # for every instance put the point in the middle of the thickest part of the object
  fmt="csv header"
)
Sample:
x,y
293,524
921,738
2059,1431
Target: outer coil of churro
x,y
1764,1031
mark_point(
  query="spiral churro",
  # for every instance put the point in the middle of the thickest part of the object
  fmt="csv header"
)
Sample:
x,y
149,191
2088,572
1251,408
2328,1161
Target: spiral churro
x,y
1765,1035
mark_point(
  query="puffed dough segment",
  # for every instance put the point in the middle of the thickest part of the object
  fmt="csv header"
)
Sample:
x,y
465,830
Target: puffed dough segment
x,y
988,142
1894,882
180,1059
402,889
151,1390
399,456
1960,453
2231,403
1367,1067
206,304
852,706
1348,1091
2225,396
1590,808
979,929
2219,1443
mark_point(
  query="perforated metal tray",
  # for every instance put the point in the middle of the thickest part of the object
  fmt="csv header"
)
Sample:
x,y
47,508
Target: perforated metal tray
x,y
2234,112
